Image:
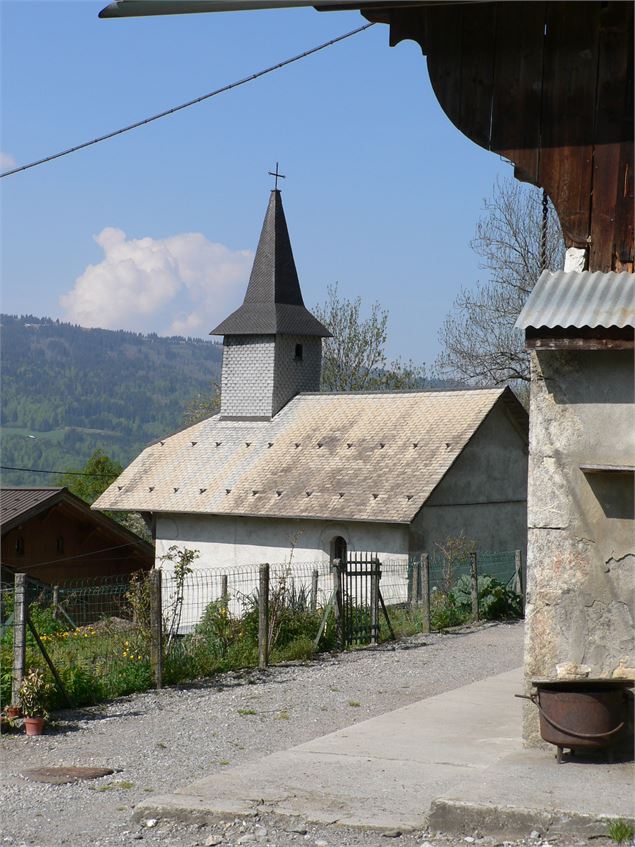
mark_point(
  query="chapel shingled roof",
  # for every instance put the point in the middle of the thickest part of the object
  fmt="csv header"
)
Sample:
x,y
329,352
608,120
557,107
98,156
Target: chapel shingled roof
x,y
273,303
366,457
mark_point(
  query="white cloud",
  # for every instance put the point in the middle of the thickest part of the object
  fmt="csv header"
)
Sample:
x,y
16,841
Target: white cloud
x,y
7,161
183,284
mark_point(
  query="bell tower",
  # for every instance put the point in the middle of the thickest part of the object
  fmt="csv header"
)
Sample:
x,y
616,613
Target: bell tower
x,y
272,344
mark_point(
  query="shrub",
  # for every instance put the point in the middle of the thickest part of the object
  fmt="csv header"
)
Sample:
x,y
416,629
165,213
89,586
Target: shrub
x,y
444,612
216,628
495,600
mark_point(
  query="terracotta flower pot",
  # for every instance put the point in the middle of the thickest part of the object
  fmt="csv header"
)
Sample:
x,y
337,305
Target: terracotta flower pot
x,y
34,726
12,712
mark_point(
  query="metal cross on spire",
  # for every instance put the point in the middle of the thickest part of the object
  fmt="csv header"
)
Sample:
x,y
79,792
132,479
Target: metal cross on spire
x,y
277,175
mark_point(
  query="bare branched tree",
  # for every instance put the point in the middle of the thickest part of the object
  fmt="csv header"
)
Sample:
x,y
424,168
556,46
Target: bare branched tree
x,y
355,358
478,341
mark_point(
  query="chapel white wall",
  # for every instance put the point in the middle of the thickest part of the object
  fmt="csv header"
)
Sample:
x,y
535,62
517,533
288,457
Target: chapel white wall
x,y
226,543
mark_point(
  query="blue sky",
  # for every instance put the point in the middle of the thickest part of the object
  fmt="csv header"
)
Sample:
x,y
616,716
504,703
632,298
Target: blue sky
x,y
154,231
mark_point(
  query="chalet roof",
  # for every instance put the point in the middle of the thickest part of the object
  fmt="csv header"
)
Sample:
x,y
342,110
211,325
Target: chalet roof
x,y
273,302
361,456
19,505
570,299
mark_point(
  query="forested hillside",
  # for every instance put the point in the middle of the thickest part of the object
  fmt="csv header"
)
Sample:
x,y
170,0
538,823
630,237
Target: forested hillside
x,y
78,389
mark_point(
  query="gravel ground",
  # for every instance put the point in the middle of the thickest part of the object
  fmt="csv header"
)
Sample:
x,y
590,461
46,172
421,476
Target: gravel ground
x,y
159,741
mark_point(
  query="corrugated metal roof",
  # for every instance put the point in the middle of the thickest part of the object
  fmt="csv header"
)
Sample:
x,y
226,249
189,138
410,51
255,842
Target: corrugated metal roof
x,y
273,302
368,457
15,502
569,299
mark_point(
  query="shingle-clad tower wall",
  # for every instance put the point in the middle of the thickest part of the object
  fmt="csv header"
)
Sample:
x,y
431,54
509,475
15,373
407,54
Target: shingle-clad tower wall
x,y
247,381
272,343
294,374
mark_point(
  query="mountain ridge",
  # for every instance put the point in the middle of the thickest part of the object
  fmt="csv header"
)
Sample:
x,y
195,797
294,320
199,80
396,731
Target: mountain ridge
x,y
68,390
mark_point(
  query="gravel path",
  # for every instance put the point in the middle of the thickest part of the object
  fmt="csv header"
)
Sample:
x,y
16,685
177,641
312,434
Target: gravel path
x,y
159,741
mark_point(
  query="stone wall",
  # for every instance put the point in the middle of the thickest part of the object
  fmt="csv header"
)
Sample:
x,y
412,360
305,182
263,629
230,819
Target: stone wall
x,y
581,540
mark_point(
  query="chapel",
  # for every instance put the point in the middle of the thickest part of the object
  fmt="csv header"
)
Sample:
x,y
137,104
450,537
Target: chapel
x,y
284,466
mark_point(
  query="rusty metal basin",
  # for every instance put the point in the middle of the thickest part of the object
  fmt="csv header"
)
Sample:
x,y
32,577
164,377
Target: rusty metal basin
x,y
582,715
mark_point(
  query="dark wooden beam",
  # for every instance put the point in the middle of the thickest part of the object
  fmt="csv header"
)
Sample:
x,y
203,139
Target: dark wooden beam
x,y
580,344
580,338
548,86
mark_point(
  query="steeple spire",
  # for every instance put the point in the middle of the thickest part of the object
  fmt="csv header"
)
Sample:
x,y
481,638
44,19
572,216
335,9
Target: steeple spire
x,y
273,303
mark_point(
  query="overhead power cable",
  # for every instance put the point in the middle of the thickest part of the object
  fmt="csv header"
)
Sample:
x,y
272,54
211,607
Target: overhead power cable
x,y
60,473
86,555
189,103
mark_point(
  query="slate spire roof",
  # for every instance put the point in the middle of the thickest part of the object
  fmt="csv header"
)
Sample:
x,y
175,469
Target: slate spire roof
x,y
273,303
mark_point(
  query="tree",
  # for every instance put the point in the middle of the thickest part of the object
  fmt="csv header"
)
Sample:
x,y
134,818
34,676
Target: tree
x,y
94,478
355,359
479,343
202,406
90,481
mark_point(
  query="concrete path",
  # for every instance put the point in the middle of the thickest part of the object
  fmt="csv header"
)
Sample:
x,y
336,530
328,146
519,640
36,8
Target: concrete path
x,y
454,760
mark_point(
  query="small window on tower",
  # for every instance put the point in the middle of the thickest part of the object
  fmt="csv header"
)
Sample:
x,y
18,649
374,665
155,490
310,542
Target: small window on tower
x,y
298,353
60,544
19,545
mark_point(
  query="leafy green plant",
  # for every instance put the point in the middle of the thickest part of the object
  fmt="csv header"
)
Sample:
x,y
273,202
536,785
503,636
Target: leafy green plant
x,y
216,628
620,831
138,600
180,561
34,694
495,600
300,649
444,611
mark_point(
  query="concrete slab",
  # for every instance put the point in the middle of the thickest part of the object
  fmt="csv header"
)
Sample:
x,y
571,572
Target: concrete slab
x,y
381,773
528,790
454,761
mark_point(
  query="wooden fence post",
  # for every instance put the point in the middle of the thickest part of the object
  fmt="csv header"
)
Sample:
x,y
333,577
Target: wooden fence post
x,y
156,627
19,635
224,591
315,576
263,617
414,574
425,593
474,581
56,602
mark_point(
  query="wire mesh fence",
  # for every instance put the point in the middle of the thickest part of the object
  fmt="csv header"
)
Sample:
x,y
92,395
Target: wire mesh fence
x,y
100,635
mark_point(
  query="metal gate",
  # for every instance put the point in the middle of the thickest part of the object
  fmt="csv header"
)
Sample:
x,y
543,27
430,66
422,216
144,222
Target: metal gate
x,y
359,598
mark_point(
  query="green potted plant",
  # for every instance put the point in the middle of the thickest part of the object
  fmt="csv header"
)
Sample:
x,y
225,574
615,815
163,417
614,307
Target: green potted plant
x,y
34,693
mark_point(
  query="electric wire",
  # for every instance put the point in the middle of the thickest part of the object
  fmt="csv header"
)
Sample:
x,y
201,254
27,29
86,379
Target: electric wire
x,y
189,103
60,473
86,555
